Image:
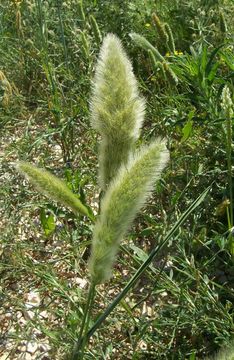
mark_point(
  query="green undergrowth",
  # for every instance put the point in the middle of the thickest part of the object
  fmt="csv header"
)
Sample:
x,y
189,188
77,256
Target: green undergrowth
x,y
182,307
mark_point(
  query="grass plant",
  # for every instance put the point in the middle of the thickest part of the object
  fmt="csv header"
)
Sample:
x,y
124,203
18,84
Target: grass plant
x,y
130,183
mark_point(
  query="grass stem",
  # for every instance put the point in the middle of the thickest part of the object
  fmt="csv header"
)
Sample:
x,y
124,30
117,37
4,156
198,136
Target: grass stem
x,y
78,352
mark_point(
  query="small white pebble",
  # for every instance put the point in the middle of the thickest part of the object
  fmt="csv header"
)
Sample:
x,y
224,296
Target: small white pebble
x,y
29,314
142,345
9,345
22,348
19,315
8,316
81,282
22,321
4,356
43,314
37,333
44,347
32,299
32,347
27,356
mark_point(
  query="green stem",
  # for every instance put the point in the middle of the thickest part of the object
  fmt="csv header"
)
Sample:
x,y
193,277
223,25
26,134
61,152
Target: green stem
x,y
85,338
59,3
229,163
41,25
78,352
229,166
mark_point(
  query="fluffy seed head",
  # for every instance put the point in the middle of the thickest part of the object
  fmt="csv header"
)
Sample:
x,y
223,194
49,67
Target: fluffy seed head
x,y
115,104
160,28
145,44
224,354
170,73
227,103
52,187
6,89
171,42
117,111
95,29
125,196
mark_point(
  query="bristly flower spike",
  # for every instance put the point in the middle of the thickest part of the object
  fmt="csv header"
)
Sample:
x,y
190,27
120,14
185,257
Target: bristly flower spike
x,y
52,187
171,42
95,29
145,44
125,196
117,110
160,28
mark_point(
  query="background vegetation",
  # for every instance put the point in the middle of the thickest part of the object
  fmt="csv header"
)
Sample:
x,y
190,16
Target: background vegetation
x,y
182,308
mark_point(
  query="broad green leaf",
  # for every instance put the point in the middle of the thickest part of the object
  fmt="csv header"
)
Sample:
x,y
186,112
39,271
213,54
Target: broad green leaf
x,y
187,130
212,73
47,222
